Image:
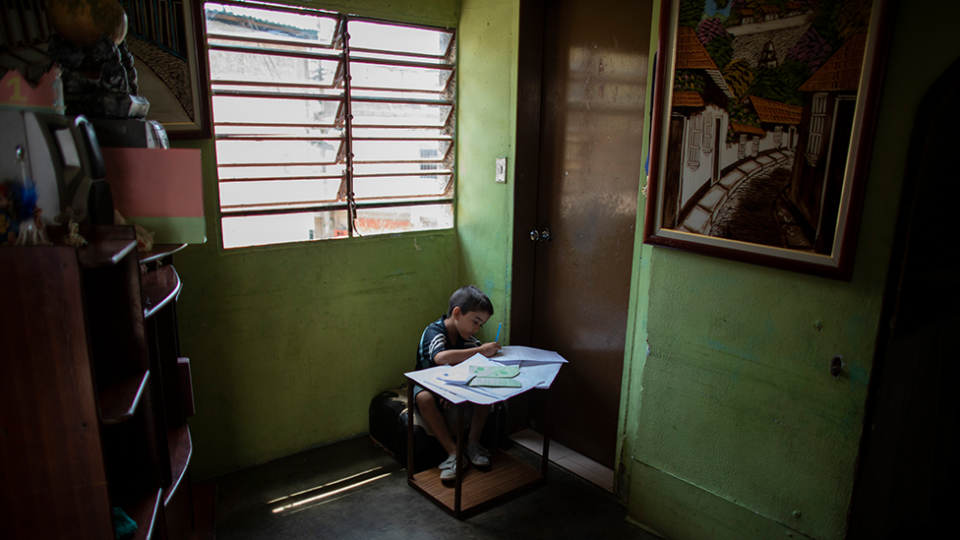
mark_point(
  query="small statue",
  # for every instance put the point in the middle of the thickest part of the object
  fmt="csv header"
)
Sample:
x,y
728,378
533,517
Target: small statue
x,y
73,238
32,231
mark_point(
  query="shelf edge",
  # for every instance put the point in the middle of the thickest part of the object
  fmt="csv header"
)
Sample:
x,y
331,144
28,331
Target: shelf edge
x,y
123,253
87,260
164,251
129,410
173,294
145,530
179,472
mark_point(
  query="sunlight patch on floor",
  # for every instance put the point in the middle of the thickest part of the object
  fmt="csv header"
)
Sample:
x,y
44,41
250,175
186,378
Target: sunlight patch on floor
x,y
316,498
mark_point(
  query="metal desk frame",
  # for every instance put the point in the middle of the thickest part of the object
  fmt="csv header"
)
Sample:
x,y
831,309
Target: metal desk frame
x,y
507,477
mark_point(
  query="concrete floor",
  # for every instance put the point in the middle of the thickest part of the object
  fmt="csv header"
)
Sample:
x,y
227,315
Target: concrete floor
x,y
354,490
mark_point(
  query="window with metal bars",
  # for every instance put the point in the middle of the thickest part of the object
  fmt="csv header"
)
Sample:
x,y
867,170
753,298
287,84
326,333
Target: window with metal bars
x,y
329,125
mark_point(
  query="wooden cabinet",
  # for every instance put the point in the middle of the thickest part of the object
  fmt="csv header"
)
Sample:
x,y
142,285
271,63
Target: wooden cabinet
x,y
93,392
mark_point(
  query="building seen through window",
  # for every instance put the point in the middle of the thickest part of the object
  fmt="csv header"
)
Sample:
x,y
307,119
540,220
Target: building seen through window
x,y
325,124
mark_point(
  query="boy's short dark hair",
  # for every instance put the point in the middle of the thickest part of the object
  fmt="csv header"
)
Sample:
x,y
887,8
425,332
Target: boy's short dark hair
x,y
469,298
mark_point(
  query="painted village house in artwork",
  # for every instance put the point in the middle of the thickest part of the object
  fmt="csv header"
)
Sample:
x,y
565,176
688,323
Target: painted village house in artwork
x,y
761,115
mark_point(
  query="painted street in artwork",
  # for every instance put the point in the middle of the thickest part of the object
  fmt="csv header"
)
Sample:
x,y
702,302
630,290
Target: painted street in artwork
x,y
762,111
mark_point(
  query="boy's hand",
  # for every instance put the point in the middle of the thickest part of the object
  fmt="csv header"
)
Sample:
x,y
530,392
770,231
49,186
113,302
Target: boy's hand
x,y
489,349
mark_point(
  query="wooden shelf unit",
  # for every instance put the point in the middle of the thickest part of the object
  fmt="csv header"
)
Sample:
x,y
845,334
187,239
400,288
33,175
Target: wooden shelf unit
x,y
91,414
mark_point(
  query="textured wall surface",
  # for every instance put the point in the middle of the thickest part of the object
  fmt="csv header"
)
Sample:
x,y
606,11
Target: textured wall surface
x,y
486,128
288,344
734,424
738,397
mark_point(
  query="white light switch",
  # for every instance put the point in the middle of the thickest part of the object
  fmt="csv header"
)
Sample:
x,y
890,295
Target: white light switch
x,y
501,170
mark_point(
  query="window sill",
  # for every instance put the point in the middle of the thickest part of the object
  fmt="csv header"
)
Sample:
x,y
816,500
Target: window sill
x,y
338,242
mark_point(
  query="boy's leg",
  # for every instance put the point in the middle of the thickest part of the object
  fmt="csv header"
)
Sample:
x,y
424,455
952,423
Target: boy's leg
x,y
434,418
475,453
480,414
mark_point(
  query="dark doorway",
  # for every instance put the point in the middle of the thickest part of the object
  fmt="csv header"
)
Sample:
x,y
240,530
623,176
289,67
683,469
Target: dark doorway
x,y
671,180
910,459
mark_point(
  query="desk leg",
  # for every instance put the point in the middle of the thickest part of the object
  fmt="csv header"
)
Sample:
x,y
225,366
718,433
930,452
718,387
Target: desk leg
x,y
460,464
496,424
411,408
545,461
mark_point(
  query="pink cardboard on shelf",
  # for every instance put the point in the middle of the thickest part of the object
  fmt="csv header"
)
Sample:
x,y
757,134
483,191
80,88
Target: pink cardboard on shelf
x,y
45,95
160,190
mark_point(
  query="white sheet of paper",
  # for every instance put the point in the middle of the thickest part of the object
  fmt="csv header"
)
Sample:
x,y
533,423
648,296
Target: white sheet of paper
x,y
543,373
515,354
436,379
460,373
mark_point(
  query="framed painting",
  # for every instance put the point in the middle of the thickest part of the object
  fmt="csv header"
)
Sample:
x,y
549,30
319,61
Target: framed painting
x,y
167,42
763,120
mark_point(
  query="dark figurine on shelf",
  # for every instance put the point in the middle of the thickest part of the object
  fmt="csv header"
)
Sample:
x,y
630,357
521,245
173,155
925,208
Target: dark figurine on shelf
x,y
9,225
97,70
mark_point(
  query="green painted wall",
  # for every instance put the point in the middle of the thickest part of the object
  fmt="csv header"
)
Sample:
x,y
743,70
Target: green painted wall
x,y
734,425
486,129
288,344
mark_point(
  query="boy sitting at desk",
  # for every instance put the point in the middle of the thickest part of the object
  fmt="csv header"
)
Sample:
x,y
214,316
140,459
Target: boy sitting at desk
x,y
449,341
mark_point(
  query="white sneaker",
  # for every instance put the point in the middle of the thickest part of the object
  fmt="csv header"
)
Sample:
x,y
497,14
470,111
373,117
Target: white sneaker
x,y
475,453
483,451
448,469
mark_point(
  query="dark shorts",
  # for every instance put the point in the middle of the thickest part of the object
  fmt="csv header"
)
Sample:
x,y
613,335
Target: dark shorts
x,y
417,389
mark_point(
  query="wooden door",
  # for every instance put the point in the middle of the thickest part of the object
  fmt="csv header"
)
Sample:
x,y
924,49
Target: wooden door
x,y
591,117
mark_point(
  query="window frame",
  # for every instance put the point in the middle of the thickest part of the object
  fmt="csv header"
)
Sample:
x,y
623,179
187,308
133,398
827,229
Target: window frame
x,y
346,56
818,119
695,132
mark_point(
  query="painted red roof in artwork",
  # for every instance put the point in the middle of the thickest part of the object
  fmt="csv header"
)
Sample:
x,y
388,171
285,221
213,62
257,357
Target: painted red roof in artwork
x,y
775,112
687,98
744,128
841,73
690,52
769,9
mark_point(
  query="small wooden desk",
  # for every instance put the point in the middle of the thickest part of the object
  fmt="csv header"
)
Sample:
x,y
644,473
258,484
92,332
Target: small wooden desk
x,y
475,490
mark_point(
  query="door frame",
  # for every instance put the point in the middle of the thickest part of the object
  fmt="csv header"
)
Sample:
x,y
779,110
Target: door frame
x,y
526,167
525,186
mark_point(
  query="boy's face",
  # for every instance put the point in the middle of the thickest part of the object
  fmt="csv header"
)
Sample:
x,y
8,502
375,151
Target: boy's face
x,y
469,323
